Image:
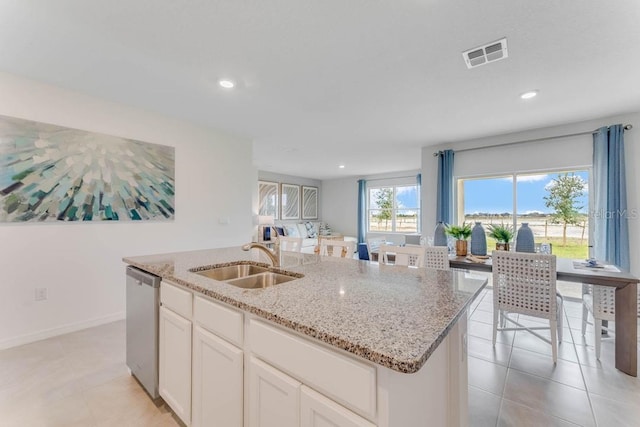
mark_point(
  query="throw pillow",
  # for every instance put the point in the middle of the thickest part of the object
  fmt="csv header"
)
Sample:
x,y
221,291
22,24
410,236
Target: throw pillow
x,y
292,230
311,231
280,231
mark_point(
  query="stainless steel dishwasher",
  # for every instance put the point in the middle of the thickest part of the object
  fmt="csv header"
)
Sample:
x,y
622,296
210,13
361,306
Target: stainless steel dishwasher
x,y
143,294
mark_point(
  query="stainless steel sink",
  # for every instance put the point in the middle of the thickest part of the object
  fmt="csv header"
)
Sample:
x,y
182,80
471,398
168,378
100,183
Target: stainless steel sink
x,y
246,274
232,271
261,280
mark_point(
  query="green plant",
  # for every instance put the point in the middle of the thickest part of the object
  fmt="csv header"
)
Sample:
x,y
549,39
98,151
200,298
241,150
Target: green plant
x,y
459,232
502,233
564,192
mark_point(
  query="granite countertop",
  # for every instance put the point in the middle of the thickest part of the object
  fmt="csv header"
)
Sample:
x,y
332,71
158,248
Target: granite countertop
x,y
392,316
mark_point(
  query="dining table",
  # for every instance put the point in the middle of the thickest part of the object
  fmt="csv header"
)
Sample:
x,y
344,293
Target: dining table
x,y
626,301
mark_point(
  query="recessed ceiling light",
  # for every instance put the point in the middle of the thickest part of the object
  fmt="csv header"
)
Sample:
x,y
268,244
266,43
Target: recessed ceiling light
x,y
227,84
341,166
528,95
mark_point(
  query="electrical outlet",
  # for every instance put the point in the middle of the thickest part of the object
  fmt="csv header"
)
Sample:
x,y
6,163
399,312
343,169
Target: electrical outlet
x,y
41,294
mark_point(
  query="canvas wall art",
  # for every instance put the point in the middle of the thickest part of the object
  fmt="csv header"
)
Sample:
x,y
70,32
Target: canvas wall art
x,y
53,173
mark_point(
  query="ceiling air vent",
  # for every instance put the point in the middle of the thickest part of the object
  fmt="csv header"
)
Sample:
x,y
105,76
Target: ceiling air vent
x,y
490,52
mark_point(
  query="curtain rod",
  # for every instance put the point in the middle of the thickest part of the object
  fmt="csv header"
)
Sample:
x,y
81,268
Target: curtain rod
x,y
391,177
625,127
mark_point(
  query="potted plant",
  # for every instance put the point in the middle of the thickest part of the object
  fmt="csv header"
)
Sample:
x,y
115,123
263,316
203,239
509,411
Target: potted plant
x,y
461,233
503,234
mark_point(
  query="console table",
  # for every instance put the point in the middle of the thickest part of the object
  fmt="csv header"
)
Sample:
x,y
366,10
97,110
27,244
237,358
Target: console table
x,y
626,303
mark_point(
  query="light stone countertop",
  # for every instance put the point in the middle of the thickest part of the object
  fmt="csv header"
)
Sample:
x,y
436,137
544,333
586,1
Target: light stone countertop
x,y
392,316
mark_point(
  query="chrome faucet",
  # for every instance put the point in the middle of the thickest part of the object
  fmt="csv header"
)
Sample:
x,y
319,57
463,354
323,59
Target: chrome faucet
x,y
274,255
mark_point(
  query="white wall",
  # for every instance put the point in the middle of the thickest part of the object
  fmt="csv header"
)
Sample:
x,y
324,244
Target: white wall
x,y
81,263
550,154
340,209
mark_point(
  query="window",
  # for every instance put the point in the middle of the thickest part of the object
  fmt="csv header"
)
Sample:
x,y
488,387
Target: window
x,y
394,209
555,204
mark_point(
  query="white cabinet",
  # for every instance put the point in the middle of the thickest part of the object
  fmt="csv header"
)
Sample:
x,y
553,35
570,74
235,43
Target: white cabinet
x,y
217,381
175,363
274,398
318,411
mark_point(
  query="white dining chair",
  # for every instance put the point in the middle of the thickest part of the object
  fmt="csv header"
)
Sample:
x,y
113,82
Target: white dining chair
x,y
410,256
373,246
337,248
290,244
525,283
437,257
600,302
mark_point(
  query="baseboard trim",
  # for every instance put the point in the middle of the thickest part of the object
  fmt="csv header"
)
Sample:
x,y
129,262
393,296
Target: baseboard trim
x,y
60,330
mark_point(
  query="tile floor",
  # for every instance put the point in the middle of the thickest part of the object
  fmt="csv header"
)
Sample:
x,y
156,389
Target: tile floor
x,y
80,379
517,384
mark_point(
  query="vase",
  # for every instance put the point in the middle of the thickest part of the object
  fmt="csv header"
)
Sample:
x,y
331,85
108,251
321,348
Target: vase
x,y
461,248
478,240
524,239
439,235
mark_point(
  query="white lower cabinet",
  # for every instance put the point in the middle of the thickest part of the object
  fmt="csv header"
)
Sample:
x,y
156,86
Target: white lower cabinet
x,y
318,411
175,363
274,397
217,381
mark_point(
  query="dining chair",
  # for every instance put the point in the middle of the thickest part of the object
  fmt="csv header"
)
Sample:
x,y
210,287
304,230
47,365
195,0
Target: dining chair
x,y
373,245
290,244
337,248
600,302
410,256
437,257
525,283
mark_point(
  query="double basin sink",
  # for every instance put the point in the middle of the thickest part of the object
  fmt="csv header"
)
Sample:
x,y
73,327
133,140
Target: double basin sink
x,y
247,274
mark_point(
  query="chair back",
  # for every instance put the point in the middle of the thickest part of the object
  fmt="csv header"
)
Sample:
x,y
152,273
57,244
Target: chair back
x,y
437,257
404,255
290,244
339,248
373,246
525,283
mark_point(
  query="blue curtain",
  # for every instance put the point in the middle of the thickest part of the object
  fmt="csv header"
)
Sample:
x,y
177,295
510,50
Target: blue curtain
x,y
444,205
611,228
362,210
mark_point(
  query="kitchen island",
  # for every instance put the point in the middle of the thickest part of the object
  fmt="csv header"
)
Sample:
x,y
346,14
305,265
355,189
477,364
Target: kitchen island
x,y
353,342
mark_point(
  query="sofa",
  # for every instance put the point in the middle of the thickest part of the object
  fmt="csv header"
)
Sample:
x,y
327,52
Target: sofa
x,y
307,230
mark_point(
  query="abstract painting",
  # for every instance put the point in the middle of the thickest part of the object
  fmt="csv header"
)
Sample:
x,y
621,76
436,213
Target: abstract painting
x,y
309,202
53,173
290,201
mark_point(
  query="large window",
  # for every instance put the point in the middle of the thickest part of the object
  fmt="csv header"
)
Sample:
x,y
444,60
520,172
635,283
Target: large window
x,y
394,209
554,204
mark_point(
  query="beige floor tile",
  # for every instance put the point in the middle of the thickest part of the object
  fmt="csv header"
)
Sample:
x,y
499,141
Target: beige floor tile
x,y
484,349
513,414
563,371
485,331
558,400
611,383
483,408
487,376
68,412
614,413
587,355
528,341
482,316
120,401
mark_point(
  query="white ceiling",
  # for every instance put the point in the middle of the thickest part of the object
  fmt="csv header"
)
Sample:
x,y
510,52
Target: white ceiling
x,y
322,82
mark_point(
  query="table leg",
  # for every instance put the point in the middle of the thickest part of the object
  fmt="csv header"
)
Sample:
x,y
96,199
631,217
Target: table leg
x,y
627,329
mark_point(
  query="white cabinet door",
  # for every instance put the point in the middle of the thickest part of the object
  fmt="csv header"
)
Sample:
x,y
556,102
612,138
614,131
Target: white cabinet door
x,y
217,381
318,411
175,363
274,398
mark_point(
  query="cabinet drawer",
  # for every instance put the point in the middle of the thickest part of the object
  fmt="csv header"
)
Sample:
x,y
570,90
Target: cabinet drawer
x,y
343,379
222,321
176,299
